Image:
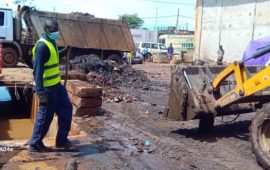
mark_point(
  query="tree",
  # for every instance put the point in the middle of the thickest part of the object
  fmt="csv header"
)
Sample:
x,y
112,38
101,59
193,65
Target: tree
x,y
133,20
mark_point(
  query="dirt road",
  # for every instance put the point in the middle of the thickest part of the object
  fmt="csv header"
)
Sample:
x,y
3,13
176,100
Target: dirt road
x,y
134,135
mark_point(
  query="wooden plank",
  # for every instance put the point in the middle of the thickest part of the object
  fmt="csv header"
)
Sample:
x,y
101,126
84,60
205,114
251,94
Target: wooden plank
x,y
83,89
93,102
84,111
74,75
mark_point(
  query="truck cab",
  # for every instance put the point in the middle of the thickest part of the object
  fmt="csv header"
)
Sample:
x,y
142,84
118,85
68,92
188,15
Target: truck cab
x,y
11,49
6,25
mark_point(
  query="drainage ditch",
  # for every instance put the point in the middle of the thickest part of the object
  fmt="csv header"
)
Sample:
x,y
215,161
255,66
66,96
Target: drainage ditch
x,y
18,109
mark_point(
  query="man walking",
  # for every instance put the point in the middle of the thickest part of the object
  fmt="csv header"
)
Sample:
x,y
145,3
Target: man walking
x,y
53,97
220,54
170,51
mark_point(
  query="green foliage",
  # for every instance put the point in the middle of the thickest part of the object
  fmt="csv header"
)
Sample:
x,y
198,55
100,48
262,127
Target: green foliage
x,y
133,20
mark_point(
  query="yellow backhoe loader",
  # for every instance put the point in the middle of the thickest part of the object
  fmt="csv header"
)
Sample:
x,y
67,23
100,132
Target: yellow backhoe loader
x,y
205,92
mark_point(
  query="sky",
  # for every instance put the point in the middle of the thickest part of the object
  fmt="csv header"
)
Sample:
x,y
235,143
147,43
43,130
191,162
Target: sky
x,y
166,10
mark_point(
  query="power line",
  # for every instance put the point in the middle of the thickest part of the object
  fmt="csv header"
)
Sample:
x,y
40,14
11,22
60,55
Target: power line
x,y
169,2
169,17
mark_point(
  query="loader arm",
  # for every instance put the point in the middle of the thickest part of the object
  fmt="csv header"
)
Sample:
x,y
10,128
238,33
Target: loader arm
x,y
244,86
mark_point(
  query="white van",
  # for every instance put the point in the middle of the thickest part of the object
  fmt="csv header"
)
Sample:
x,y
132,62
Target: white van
x,y
152,47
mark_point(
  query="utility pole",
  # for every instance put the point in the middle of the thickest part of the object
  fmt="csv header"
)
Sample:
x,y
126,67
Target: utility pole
x,y
177,20
156,17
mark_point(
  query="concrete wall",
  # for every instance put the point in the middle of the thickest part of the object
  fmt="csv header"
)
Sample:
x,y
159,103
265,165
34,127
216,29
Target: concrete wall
x,y
231,23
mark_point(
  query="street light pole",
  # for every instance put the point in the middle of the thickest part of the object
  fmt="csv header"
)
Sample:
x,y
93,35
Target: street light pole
x,y
156,17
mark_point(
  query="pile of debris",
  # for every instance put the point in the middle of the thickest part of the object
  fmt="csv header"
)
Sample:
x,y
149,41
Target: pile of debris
x,y
110,76
82,14
88,63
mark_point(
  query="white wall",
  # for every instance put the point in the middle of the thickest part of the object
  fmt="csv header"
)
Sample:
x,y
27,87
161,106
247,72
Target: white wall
x,y
232,23
144,35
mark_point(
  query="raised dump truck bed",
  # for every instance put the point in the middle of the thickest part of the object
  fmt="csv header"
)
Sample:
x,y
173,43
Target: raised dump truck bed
x,y
86,31
104,38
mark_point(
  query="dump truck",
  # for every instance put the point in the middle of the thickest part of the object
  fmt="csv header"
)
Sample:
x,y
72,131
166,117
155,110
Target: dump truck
x,y
103,38
206,92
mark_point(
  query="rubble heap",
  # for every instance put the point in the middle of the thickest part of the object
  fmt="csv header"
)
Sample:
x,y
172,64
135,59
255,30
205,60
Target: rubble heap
x,y
87,63
110,76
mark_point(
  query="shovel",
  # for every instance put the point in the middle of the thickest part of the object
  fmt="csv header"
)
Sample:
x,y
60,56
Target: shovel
x,y
67,63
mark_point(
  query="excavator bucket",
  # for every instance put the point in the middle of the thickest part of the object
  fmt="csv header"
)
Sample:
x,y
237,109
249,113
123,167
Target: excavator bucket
x,y
188,87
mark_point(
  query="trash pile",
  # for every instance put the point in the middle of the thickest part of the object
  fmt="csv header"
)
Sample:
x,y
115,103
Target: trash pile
x,y
110,76
88,63
82,14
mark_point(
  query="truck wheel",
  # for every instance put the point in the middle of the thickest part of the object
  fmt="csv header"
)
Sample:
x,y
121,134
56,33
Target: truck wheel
x,y
260,137
117,58
206,124
10,57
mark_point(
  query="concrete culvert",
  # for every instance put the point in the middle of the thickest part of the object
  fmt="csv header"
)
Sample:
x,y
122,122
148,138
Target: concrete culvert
x,y
18,109
15,117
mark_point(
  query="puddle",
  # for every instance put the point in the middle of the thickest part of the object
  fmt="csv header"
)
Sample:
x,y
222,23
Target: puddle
x,y
15,129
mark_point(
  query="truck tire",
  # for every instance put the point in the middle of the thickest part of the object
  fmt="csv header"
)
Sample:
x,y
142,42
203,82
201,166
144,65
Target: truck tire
x,y
10,57
260,137
117,58
206,124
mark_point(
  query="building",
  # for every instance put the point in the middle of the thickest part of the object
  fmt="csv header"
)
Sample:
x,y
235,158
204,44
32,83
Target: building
x,y
180,42
139,35
230,23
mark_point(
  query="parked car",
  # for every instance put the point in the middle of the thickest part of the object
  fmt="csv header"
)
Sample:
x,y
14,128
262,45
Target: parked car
x,y
137,59
153,48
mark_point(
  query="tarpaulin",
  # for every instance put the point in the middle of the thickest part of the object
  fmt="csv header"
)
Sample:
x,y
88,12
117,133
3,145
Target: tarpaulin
x,y
252,47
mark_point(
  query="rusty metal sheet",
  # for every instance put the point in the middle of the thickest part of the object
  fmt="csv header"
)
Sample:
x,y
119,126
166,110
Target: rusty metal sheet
x,y
94,35
87,32
73,33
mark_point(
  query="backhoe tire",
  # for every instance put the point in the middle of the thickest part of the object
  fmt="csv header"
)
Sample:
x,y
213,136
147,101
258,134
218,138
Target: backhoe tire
x,y
260,137
10,57
206,124
117,58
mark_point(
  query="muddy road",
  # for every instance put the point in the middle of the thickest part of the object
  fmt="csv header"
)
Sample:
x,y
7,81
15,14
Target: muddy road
x,y
134,135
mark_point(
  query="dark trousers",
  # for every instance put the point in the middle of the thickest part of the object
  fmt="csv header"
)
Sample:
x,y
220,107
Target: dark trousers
x,y
59,103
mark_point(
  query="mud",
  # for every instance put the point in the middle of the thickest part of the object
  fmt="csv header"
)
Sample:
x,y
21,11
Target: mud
x,y
134,135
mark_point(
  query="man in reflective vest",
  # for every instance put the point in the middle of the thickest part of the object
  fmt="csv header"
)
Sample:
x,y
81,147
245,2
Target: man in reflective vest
x,y
53,97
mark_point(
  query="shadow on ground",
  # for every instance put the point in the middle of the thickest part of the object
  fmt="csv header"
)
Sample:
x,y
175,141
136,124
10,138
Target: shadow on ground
x,y
90,149
238,130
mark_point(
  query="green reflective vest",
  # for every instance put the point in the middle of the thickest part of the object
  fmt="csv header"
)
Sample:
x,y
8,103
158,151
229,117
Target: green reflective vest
x,y
51,75
129,55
